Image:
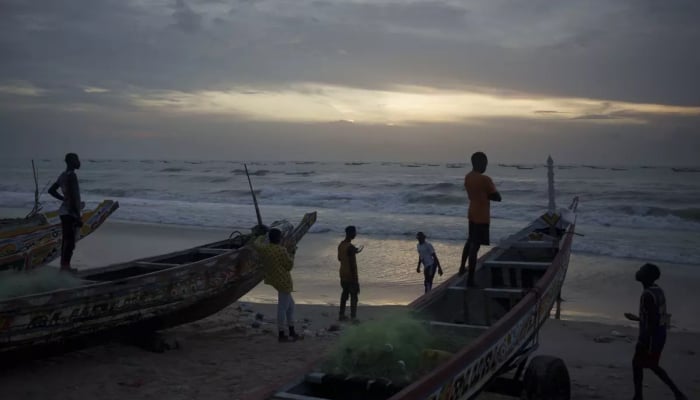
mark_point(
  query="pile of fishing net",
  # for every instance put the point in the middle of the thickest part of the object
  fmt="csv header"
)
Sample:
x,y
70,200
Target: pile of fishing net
x,y
399,348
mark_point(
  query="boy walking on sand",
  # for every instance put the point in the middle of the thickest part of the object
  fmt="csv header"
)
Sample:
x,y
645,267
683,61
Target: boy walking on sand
x,y
427,257
349,281
653,325
277,266
480,191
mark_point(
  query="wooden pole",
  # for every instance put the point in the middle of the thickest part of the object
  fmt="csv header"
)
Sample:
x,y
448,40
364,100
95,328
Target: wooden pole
x,y
252,192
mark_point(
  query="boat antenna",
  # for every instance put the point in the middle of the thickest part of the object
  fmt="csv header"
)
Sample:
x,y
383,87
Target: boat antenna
x,y
252,192
550,185
37,206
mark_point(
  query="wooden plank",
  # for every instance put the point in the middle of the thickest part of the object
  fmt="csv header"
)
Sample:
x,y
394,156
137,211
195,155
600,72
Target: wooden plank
x,y
538,244
494,291
517,264
155,264
290,396
451,325
207,250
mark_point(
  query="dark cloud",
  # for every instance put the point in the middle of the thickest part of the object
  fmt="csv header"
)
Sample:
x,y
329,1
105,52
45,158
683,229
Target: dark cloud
x,y
625,50
185,18
628,50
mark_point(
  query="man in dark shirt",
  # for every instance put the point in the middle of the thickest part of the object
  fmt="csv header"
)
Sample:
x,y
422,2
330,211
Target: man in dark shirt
x,y
70,208
653,324
349,281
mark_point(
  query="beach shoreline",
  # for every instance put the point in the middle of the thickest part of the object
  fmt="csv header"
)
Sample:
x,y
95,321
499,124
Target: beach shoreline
x,y
597,288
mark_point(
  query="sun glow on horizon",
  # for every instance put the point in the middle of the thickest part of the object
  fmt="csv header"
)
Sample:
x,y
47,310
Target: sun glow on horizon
x,y
312,102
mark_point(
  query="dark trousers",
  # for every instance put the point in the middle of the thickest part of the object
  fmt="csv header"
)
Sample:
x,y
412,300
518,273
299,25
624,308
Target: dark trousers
x,y
429,275
68,225
645,359
350,289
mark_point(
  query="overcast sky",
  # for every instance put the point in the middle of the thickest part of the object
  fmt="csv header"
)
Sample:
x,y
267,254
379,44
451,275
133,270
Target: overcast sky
x,y
613,82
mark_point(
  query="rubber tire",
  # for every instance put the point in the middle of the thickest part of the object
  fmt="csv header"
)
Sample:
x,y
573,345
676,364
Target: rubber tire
x,y
546,378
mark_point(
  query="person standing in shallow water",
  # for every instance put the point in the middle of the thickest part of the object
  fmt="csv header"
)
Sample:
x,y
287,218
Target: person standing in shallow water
x,y
349,281
427,257
480,191
653,325
70,208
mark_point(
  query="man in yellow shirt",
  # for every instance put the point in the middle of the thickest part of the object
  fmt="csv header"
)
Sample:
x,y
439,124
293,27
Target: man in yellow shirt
x,y
277,266
481,191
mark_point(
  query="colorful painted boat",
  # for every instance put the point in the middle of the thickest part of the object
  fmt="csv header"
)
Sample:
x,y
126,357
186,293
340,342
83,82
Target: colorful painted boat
x,y
136,297
486,333
26,243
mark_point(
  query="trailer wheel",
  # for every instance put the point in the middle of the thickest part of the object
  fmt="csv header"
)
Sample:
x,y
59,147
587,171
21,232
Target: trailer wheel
x,y
546,378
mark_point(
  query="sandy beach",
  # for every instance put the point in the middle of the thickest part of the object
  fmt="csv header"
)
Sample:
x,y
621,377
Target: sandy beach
x,y
224,357
234,355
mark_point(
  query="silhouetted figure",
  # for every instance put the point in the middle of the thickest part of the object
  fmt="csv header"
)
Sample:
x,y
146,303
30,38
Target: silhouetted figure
x,y
348,274
653,325
481,191
427,257
70,208
277,266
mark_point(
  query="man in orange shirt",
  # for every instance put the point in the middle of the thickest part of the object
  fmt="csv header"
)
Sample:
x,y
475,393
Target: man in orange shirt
x,y
481,191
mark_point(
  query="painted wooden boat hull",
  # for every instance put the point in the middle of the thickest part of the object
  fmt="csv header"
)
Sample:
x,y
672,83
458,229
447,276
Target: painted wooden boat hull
x,y
502,337
24,246
131,298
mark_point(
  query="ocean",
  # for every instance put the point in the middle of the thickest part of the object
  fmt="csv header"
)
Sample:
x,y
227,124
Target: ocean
x,y
638,212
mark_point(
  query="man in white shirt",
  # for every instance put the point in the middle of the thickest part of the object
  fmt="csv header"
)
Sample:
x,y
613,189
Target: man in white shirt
x,y
427,257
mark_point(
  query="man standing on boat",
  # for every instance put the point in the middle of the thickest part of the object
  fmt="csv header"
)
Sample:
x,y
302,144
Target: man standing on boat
x,y
348,274
427,257
653,325
277,266
480,191
70,208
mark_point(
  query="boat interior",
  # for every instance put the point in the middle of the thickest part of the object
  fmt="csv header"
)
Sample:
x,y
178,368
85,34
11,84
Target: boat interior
x,y
162,262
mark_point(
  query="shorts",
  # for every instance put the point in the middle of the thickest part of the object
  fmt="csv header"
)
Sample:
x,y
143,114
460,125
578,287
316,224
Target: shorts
x,y
350,287
645,359
478,233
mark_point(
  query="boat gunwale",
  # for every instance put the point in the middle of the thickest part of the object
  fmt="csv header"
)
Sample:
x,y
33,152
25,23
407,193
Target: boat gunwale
x,y
8,234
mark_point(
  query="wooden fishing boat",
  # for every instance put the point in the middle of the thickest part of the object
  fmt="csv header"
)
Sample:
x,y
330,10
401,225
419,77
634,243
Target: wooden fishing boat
x,y
484,335
26,243
136,297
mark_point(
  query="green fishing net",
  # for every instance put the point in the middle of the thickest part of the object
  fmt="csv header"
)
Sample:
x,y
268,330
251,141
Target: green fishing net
x,y
45,279
400,348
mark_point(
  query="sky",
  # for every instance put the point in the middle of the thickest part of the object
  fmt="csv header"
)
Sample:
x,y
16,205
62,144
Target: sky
x,y
587,81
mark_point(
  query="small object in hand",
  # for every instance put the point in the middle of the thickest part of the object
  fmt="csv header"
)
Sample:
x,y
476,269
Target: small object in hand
x,y
631,317
360,248
79,223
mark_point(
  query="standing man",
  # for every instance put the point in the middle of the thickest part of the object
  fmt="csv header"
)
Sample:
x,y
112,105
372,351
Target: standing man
x,y
277,267
427,256
348,274
653,325
70,208
480,191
